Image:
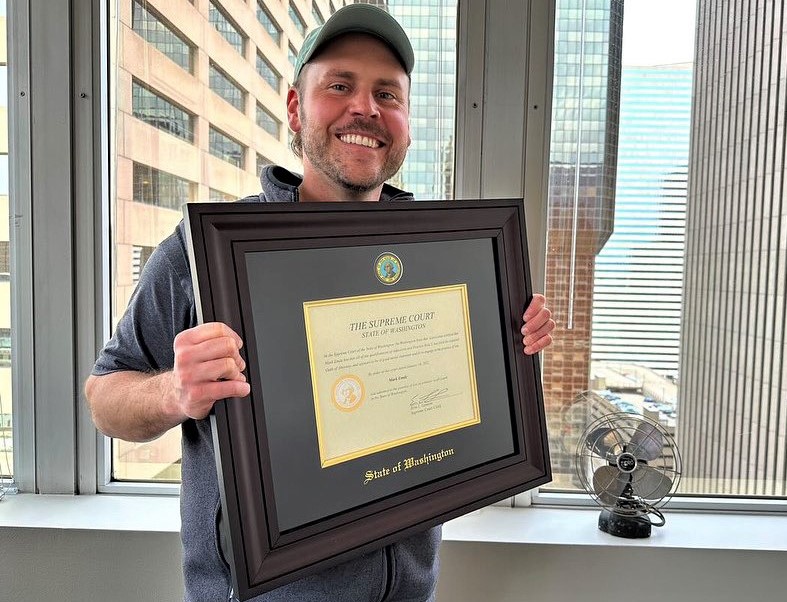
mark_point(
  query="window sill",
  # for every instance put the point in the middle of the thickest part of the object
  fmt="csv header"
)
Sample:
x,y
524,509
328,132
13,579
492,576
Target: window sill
x,y
578,527
155,514
494,524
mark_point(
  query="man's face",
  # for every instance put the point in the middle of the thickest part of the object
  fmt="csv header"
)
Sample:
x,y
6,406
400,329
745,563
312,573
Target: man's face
x,y
352,115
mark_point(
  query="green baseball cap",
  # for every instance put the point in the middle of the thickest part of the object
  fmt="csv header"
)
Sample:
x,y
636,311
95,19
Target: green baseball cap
x,y
358,18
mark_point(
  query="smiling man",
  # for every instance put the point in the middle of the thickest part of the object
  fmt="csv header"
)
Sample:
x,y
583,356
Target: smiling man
x,y
349,110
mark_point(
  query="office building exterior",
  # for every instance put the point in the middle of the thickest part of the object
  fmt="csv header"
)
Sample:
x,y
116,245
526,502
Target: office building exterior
x,y
733,370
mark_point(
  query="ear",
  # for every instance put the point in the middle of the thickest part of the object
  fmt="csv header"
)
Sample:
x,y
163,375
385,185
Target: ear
x,y
293,106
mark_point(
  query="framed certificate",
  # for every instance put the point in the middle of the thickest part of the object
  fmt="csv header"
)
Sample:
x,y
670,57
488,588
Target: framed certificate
x,y
389,389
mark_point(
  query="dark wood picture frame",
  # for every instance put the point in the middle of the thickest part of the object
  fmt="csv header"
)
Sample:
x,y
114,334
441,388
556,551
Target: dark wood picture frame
x,y
337,517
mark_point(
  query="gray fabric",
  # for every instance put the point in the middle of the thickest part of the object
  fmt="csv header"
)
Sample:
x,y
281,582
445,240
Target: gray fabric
x,y
163,305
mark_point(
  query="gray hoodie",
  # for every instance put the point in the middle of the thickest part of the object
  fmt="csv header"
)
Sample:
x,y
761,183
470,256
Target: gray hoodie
x,y
162,306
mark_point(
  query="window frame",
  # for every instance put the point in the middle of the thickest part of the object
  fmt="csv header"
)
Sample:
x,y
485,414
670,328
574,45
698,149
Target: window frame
x,y
66,134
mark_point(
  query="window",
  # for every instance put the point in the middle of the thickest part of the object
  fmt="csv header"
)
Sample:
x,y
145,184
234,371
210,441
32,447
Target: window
x,y
217,196
262,162
135,224
268,73
162,36
225,87
224,147
664,309
159,188
264,17
292,54
316,15
159,112
268,122
228,30
139,257
297,20
160,176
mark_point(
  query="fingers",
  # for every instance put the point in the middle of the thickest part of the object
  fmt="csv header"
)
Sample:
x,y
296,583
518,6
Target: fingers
x,y
208,366
223,346
198,401
538,345
206,332
538,324
536,304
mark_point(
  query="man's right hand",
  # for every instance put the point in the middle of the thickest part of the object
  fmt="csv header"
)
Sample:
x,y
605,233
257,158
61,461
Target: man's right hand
x,y
140,406
208,367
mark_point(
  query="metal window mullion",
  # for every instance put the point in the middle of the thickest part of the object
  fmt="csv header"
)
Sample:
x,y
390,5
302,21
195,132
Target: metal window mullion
x,y
21,236
470,45
52,215
88,173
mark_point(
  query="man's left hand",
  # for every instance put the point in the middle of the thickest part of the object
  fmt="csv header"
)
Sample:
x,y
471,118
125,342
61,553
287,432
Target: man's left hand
x,y
538,323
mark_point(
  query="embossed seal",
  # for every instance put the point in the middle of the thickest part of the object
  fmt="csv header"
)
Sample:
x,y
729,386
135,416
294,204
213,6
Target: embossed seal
x,y
347,393
388,268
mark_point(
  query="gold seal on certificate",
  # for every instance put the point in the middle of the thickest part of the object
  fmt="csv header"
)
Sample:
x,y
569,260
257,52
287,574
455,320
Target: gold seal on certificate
x,y
388,268
389,369
347,392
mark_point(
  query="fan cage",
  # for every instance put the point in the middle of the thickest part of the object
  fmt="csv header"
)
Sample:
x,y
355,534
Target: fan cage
x,y
621,426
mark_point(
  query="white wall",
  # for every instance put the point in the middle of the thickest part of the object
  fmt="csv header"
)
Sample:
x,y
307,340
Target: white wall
x,y
86,566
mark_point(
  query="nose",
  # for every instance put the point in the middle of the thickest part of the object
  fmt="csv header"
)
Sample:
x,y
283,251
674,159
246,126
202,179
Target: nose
x,y
364,104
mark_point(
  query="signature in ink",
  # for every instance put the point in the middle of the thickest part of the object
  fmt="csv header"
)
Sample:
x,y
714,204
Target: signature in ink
x,y
430,396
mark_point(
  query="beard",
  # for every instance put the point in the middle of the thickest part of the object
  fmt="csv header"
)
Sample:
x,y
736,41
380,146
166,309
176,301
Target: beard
x,y
316,148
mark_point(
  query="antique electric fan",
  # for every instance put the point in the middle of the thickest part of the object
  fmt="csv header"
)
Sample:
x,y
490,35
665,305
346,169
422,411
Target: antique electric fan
x,y
630,465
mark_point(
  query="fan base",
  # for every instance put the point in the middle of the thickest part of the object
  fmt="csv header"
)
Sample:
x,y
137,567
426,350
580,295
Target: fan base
x,y
630,527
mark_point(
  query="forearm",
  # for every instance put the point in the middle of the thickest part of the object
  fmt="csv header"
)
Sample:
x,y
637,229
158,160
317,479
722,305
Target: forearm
x,y
133,406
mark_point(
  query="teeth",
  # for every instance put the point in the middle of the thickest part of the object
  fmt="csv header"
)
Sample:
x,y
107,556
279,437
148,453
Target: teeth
x,y
361,140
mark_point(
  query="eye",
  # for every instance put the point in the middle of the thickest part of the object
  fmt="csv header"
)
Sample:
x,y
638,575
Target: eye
x,y
339,87
386,96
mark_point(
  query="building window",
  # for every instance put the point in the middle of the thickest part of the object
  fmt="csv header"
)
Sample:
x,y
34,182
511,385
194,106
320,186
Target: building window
x,y
317,15
159,188
5,257
159,112
228,30
262,161
297,20
160,34
292,55
217,196
139,257
264,17
224,86
268,73
268,122
226,148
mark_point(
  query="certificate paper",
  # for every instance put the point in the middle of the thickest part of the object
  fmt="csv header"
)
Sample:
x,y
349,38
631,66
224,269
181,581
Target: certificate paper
x,y
390,369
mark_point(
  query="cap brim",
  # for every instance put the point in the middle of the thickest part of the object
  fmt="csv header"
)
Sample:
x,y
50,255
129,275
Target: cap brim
x,y
365,18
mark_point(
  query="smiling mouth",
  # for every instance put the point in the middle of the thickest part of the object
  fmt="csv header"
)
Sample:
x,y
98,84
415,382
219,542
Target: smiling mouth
x,y
360,140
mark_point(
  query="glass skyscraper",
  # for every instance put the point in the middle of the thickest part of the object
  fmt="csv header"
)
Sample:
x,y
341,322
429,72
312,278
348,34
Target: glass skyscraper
x,y
638,279
428,171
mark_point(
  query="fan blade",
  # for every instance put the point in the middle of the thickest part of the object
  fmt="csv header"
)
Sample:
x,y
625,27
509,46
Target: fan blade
x,y
601,441
609,483
649,483
647,442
